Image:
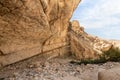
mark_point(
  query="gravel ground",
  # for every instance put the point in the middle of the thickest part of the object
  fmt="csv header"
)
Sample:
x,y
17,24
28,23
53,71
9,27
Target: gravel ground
x,y
39,68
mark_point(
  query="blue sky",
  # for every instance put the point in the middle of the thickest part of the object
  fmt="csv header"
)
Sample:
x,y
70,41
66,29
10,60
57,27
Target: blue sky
x,y
99,17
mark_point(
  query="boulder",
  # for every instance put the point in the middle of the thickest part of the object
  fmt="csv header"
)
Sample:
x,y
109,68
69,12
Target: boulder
x,y
111,74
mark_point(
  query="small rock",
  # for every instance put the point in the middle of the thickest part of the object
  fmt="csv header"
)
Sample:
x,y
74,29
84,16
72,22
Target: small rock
x,y
78,69
2,78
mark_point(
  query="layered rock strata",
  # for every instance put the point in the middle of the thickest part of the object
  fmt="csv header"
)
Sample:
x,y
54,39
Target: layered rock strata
x,y
86,46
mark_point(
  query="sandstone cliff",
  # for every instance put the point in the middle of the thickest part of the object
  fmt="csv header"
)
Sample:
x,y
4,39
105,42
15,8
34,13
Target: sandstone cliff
x,y
31,27
116,43
86,46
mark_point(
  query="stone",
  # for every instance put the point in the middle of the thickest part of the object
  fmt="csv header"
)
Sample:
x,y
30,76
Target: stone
x,y
111,74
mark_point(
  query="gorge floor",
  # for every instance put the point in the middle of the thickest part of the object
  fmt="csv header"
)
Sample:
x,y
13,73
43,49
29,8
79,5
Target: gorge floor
x,y
39,68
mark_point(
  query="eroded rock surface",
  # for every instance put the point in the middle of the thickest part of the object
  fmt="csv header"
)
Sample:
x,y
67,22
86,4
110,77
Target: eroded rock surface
x,y
31,27
80,44
86,46
116,43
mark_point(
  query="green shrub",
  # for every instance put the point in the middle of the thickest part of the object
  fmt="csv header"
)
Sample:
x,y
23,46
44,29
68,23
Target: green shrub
x,y
111,55
90,61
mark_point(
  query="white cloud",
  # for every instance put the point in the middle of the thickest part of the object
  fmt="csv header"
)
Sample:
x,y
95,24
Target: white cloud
x,y
104,8
100,14
86,2
98,22
112,33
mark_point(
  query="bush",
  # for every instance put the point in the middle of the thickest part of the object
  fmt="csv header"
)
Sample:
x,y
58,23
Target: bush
x,y
111,55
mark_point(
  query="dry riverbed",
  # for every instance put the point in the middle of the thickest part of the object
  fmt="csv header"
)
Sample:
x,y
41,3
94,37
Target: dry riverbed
x,y
39,68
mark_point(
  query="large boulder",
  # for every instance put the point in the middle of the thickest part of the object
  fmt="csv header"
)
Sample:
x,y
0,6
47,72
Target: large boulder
x,y
111,74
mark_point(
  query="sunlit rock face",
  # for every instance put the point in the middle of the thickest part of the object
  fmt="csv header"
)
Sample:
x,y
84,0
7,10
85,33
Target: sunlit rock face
x,y
31,27
86,46
81,46
116,43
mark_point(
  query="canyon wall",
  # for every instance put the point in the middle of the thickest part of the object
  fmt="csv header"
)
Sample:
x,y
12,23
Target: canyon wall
x,y
80,45
31,27
86,46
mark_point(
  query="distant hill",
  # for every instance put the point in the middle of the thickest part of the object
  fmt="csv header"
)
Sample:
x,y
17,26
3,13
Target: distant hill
x,y
116,43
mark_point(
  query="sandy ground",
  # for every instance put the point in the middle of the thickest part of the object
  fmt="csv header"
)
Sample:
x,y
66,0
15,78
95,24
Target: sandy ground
x,y
39,68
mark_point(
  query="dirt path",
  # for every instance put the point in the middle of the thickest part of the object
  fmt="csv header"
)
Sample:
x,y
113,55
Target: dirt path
x,y
39,68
